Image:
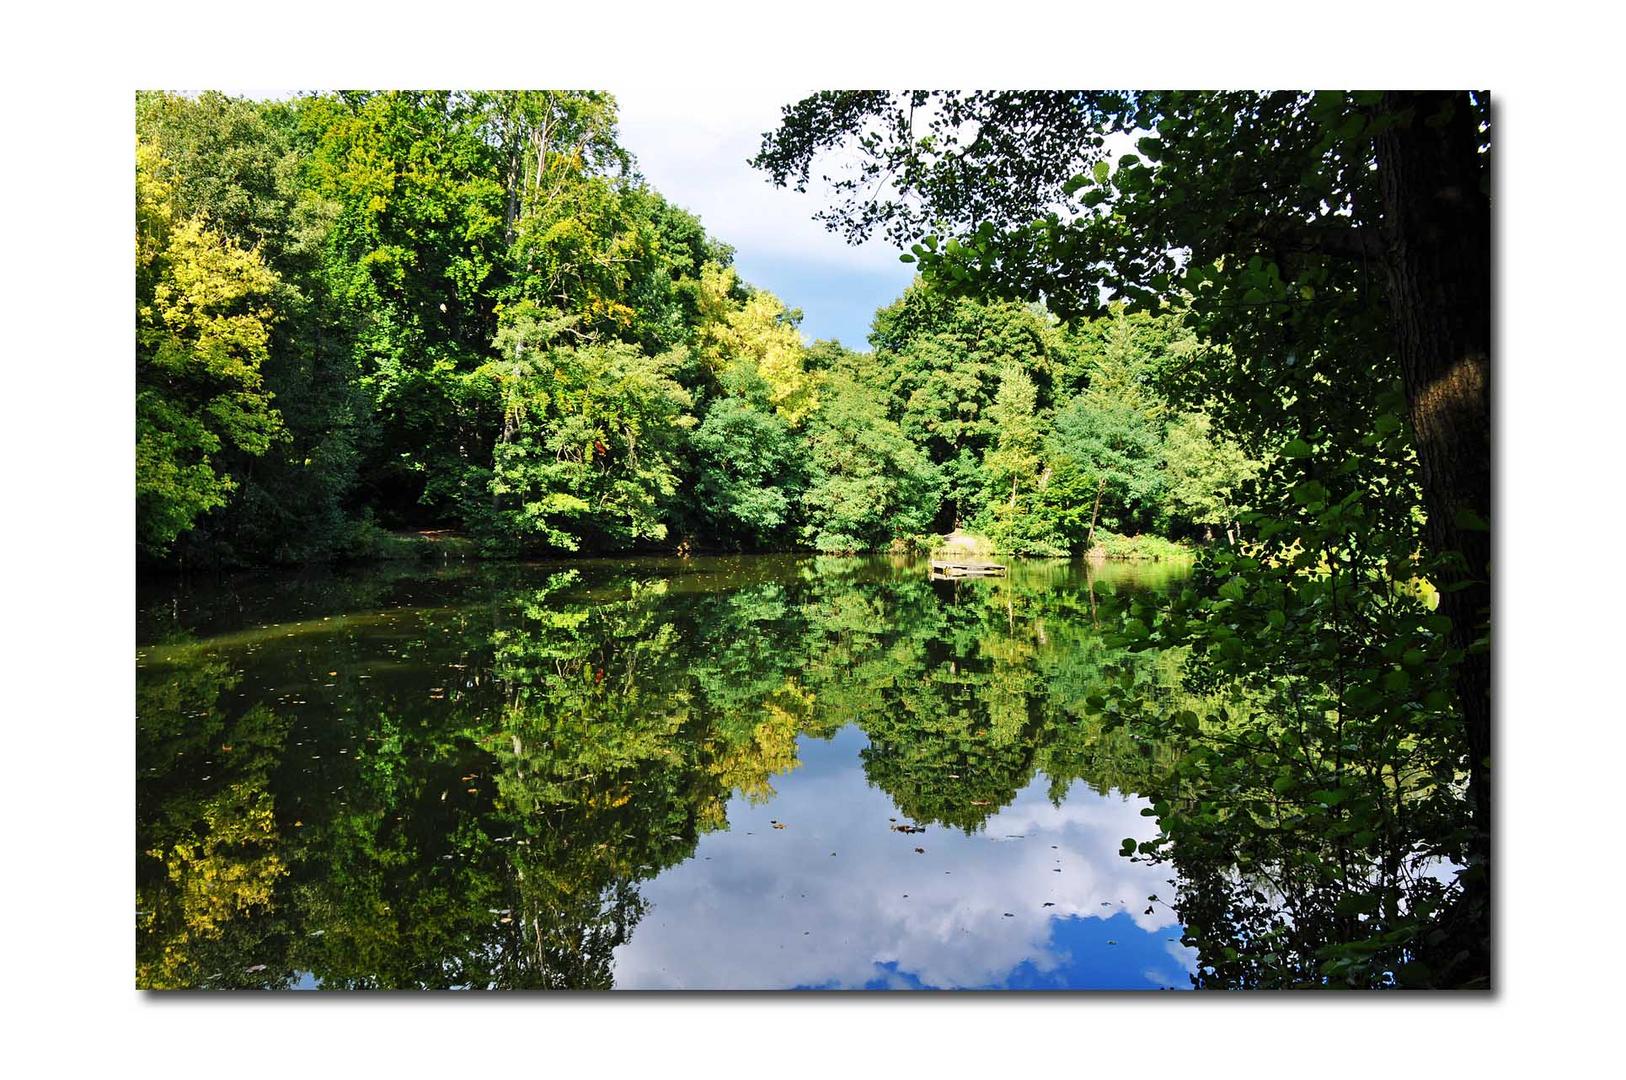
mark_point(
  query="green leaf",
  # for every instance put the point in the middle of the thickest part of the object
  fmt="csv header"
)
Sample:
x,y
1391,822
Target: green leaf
x,y
1311,493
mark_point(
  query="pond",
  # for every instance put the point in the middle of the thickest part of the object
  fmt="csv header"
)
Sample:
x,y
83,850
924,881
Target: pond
x,y
763,772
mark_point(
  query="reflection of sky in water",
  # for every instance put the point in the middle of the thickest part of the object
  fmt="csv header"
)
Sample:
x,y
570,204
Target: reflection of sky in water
x,y
759,907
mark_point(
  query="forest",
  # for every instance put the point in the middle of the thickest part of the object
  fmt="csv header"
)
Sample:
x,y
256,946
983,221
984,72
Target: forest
x,y
366,315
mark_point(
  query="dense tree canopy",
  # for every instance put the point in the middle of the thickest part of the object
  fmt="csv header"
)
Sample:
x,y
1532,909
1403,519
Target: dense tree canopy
x,y
467,311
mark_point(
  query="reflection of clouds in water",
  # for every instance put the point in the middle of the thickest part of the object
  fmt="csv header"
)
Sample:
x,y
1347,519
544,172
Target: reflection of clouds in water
x,y
764,907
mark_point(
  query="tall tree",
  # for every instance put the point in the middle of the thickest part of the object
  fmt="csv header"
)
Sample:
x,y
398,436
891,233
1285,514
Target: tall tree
x,y
241,163
867,484
203,319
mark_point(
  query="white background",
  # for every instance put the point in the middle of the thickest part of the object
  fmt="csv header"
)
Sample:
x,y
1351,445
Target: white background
x,y
66,448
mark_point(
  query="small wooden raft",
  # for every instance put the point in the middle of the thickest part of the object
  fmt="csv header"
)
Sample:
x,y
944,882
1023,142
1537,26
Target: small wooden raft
x,y
944,568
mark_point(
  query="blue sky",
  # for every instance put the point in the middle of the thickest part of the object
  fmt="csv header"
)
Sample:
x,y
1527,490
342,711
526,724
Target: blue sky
x,y
1039,898
692,145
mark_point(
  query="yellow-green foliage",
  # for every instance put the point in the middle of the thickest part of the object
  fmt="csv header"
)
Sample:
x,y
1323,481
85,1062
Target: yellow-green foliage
x,y
203,318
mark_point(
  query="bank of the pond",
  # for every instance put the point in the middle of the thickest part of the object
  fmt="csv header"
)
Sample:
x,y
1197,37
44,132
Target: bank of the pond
x,y
1107,545
428,544
373,545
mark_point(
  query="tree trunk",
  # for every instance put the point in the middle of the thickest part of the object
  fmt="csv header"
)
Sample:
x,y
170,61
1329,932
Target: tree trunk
x,y
1436,209
1089,540
512,134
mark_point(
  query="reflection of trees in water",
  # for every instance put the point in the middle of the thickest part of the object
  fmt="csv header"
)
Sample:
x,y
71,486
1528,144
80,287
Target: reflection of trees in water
x,y
484,816
966,690
490,834
207,857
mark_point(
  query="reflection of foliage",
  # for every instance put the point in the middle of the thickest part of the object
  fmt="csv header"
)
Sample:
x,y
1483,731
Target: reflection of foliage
x,y
208,855
1318,820
226,871
485,817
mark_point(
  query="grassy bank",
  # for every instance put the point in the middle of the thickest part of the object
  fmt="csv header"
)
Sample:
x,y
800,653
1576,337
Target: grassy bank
x,y
1145,547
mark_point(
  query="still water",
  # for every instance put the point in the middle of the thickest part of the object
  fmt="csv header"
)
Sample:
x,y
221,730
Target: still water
x,y
722,773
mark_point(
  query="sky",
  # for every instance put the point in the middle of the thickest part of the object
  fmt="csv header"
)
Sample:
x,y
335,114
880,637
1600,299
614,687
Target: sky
x,y
1040,898
692,145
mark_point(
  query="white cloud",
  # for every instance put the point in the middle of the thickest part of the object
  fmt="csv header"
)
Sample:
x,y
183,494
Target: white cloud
x,y
693,145
758,907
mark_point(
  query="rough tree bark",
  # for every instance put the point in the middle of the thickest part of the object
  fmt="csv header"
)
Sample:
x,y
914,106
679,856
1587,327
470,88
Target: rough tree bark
x,y
1437,224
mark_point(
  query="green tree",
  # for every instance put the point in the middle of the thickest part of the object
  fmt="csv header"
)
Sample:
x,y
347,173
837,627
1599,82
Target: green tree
x,y
1205,473
1119,448
748,461
867,484
203,319
1013,464
751,327
590,437
939,360
240,163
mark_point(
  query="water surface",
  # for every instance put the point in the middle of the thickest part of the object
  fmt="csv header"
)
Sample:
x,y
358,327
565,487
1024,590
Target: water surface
x,y
723,773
